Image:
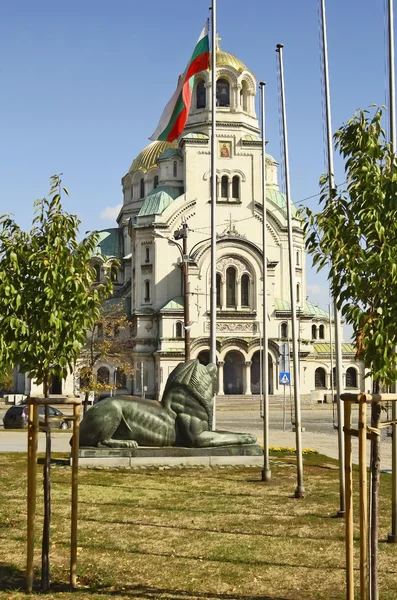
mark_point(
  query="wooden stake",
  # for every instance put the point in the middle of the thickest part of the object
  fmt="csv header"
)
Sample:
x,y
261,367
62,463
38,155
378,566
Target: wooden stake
x,y
33,426
75,465
349,503
362,461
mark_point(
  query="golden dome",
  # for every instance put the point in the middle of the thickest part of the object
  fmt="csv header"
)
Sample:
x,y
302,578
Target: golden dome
x,y
225,59
147,159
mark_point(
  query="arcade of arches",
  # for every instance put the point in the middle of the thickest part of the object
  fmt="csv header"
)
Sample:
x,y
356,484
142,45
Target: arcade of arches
x,y
238,376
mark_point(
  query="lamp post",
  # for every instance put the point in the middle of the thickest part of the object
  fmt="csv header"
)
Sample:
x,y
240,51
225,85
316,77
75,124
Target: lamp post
x,y
182,234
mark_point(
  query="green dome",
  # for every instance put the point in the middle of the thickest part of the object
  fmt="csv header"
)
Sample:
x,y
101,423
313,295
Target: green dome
x,y
170,153
279,199
159,199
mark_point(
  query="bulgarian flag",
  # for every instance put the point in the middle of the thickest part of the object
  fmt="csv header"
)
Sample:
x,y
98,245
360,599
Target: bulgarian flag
x,y
175,114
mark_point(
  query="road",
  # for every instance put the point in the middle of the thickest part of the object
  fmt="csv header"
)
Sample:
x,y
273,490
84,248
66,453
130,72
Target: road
x,y
319,432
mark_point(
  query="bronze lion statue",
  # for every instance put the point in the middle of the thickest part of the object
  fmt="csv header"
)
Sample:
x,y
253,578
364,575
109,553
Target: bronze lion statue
x,y
182,418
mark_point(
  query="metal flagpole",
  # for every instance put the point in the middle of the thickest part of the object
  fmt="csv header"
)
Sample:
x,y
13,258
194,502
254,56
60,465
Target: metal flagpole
x,y
337,319
266,473
299,492
213,202
392,537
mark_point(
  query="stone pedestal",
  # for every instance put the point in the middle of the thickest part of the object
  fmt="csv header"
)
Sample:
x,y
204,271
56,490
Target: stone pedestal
x,y
145,456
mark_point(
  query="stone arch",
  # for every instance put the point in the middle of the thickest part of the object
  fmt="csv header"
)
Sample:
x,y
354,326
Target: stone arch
x,y
256,372
320,378
233,373
351,377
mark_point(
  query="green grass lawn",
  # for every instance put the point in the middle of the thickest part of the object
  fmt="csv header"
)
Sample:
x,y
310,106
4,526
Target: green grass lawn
x,y
205,533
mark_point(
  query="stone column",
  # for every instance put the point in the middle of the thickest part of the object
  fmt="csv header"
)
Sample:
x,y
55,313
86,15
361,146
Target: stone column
x,y
208,95
223,293
229,189
238,294
220,378
247,378
238,90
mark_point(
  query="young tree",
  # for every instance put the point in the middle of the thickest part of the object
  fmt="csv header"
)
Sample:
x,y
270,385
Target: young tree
x,y
108,341
47,303
47,297
356,234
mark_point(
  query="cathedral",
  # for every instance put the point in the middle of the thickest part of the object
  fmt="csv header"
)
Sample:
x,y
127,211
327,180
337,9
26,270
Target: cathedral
x,y
167,188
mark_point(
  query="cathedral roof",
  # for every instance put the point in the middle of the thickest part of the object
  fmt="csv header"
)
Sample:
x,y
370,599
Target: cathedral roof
x,y
147,159
279,199
326,348
310,309
159,199
174,304
110,243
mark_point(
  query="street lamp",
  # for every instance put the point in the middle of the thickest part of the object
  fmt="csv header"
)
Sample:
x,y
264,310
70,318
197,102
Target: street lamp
x,y
182,234
186,256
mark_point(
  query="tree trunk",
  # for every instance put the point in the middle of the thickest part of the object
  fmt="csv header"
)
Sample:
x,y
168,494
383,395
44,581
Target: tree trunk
x,y
374,517
85,402
45,547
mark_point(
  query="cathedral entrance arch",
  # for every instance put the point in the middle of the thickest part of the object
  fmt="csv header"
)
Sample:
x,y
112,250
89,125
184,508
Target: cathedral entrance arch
x,y
256,373
233,373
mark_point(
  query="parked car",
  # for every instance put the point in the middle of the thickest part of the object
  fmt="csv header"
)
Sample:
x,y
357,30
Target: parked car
x,y
17,417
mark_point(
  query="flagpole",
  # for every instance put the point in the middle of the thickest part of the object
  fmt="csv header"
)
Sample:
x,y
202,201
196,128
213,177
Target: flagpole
x,y
213,204
337,318
266,473
392,537
299,492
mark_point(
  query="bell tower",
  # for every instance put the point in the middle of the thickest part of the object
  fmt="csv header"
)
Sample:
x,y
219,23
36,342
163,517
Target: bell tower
x,y
235,93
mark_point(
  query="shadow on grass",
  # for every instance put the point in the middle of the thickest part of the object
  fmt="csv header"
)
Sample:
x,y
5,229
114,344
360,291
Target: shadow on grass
x,y
12,579
222,531
148,592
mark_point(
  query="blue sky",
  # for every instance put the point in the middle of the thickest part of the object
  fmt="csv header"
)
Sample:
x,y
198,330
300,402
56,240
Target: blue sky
x,y
83,84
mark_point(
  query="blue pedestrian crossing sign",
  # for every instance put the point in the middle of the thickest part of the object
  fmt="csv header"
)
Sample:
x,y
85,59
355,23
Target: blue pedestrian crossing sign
x,y
285,378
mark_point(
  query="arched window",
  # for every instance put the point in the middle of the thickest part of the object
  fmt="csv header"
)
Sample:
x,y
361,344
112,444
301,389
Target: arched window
x,y
155,181
236,187
147,255
142,188
178,330
147,290
97,270
218,290
103,375
351,378
284,330
334,377
321,332
314,332
113,274
121,378
245,285
298,292
222,92
200,95
231,287
174,168
224,186
298,262
319,378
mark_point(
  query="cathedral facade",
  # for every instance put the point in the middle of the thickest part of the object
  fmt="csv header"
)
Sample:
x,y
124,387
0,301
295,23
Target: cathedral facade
x,y
168,187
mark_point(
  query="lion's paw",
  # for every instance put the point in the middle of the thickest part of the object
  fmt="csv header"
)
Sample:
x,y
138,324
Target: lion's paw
x,y
118,444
